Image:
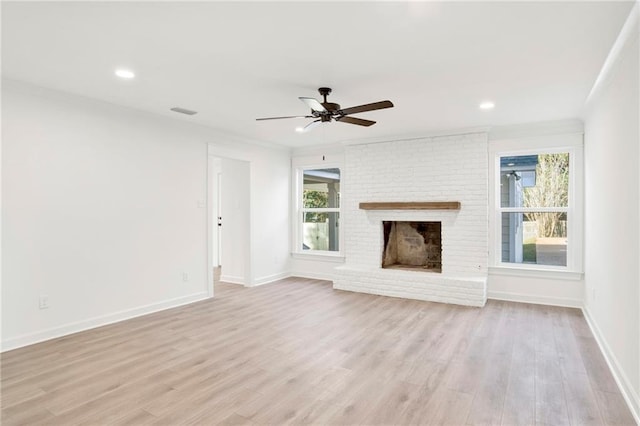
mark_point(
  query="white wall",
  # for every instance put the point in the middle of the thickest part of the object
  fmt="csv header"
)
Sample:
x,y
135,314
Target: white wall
x,y
612,232
215,175
270,219
542,288
104,210
100,213
310,266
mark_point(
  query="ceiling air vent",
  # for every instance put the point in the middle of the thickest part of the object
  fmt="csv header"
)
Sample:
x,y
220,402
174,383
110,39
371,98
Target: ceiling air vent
x,y
184,111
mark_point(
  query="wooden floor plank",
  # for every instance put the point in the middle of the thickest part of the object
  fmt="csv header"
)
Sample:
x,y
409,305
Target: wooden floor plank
x,y
298,352
520,400
613,409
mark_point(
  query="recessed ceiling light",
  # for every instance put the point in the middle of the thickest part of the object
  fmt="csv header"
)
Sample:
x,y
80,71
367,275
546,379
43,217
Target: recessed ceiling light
x,y
123,73
299,129
487,105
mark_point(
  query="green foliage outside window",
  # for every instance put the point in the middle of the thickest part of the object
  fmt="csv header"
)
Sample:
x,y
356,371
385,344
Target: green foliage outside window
x,y
315,199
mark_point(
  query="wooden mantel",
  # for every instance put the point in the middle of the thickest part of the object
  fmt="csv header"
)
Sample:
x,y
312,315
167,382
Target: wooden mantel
x,y
412,205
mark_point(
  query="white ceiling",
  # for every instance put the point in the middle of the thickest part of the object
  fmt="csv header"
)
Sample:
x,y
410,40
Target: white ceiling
x,y
236,61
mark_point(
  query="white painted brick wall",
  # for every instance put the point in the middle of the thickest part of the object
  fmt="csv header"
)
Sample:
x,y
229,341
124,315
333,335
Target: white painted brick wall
x,y
447,168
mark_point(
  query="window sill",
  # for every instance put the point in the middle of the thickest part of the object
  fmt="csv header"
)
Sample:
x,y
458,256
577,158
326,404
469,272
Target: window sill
x,y
536,273
321,256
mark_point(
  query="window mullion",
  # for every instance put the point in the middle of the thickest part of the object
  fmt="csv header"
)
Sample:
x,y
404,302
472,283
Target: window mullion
x,y
321,210
534,209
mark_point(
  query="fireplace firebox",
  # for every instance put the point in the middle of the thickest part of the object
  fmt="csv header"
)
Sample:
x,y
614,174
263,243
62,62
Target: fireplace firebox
x,y
412,245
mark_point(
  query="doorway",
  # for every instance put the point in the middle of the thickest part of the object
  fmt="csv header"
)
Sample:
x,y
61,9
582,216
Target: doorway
x,y
229,210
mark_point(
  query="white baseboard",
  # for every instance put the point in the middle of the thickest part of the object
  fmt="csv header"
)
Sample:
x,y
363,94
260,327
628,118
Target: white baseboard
x,y
75,327
270,278
313,275
232,279
535,299
628,393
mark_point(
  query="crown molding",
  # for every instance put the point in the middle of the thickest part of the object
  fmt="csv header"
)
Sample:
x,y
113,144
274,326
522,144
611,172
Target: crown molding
x,y
543,128
412,137
629,29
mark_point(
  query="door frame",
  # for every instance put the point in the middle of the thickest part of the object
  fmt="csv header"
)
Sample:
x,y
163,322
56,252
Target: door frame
x,y
214,152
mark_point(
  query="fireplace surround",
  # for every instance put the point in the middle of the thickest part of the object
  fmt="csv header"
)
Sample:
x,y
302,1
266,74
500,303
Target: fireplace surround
x,y
413,181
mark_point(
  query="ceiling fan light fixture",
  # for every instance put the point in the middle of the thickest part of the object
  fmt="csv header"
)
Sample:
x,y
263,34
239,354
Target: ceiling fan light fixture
x,y
325,112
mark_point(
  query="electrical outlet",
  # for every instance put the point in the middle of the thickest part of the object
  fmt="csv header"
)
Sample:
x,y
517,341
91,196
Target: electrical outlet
x,y
185,276
44,301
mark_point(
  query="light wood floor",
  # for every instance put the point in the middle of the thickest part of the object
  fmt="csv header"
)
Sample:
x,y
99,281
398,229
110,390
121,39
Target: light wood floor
x,y
298,351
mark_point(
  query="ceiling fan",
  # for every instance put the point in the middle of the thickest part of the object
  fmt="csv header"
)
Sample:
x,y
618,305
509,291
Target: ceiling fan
x,y
328,111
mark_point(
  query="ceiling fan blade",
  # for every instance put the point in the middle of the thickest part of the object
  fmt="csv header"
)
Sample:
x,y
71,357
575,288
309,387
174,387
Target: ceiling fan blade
x,y
354,120
313,104
367,107
279,118
311,125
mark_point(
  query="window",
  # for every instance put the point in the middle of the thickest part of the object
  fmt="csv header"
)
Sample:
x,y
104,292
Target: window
x,y
534,199
319,210
537,219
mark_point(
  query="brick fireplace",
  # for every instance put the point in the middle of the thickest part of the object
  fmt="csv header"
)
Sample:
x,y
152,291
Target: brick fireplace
x,y
399,179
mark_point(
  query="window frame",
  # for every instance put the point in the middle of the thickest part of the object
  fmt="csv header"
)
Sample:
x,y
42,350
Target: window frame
x,y
566,143
300,210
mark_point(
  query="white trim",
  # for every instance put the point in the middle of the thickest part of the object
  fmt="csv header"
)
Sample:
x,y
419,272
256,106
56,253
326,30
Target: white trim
x,y
320,209
555,127
319,160
313,275
535,143
413,137
270,278
1,211
218,149
534,209
298,166
543,128
251,250
75,327
230,155
233,279
571,142
524,271
628,30
322,256
316,150
624,384
210,225
538,300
